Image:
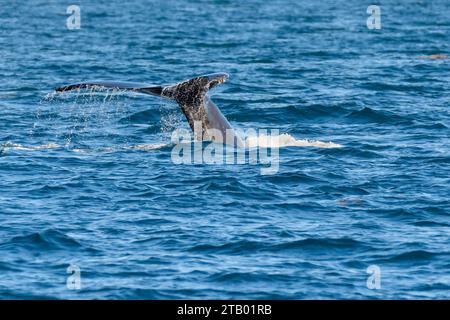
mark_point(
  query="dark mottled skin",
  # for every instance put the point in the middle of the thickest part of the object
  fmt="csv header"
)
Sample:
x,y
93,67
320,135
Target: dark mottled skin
x,y
190,96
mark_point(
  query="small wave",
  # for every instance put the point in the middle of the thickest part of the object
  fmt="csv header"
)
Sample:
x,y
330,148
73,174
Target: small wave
x,y
286,140
246,277
377,116
141,117
140,147
317,112
434,57
144,147
319,243
50,239
427,223
230,248
304,244
413,256
19,147
15,146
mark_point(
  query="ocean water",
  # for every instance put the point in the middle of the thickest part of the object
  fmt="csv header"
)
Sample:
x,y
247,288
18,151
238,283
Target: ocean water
x,y
87,180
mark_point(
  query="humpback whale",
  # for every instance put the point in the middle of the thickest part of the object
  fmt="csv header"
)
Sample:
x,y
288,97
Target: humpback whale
x,y
191,95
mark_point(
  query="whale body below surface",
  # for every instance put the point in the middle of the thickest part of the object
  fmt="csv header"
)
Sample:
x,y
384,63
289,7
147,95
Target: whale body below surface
x,y
191,95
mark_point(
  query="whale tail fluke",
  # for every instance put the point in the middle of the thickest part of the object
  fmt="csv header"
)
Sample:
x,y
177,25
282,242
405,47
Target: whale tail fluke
x,y
183,92
129,86
188,91
191,95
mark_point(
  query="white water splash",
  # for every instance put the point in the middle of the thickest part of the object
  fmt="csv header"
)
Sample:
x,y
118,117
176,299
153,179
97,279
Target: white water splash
x,y
265,141
286,140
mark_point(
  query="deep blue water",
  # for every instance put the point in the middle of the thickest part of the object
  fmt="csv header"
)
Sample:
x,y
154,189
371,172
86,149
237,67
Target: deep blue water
x,y
82,183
